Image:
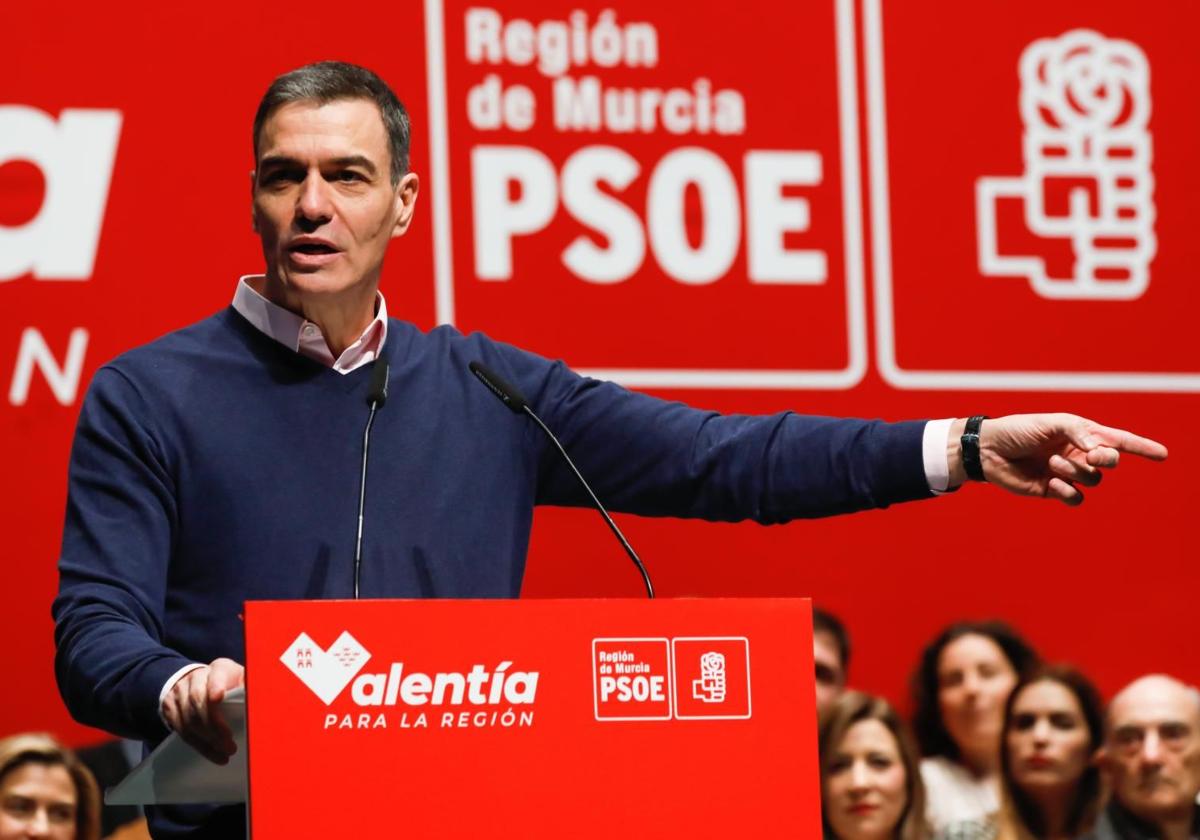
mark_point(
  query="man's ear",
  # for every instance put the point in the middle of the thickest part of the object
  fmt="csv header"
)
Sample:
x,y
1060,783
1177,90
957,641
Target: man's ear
x,y
253,215
405,202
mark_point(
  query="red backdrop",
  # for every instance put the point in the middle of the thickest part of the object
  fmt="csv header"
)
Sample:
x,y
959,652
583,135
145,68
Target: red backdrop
x,y
783,208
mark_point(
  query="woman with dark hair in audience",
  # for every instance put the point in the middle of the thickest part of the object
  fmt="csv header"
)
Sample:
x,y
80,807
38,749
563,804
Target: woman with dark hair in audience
x,y
1053,728
45,791
870,785
959,690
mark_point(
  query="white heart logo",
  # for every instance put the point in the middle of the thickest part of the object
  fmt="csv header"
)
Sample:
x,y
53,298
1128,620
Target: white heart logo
x,y
326,672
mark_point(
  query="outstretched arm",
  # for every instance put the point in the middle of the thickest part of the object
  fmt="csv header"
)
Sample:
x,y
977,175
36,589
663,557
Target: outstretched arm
x,y
1047,455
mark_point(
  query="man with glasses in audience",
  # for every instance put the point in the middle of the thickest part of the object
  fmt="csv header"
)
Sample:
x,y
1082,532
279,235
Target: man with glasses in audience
x,y
1151,759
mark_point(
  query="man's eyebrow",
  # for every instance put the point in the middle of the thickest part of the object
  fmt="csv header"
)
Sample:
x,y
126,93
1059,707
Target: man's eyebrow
x,y
274,161
277,161
1127,729
356,160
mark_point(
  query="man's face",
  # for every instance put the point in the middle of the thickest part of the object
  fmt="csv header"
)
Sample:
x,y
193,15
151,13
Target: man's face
x,y
1152,754
324,204
830,674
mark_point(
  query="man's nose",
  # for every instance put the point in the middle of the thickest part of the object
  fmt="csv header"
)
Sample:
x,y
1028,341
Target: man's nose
x,y
313,203
1151,748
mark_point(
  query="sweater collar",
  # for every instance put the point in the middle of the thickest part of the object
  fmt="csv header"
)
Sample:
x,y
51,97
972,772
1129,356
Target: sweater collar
x,y
304,337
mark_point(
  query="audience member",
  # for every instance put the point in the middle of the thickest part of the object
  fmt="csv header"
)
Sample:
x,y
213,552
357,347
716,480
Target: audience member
x,y
870,786
45,791
1053,730
1151,761
961,685
831,657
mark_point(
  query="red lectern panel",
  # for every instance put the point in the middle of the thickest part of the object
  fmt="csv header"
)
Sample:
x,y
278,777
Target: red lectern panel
x,y
532,719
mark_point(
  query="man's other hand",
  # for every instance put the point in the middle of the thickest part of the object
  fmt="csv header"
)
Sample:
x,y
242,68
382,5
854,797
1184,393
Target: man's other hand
x,y
1048,455
192,708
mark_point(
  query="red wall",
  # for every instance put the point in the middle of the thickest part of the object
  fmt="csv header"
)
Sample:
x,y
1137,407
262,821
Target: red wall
x,y
890,121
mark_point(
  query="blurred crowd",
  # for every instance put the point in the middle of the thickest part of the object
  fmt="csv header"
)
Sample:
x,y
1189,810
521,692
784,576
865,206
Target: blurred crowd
x,y
1003,746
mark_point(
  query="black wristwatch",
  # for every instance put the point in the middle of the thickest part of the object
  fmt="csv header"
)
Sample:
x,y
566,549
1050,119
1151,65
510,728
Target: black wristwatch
x,y
970,448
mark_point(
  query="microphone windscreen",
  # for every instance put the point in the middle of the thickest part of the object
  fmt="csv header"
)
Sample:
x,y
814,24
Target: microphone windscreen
x,y
506,392
377,391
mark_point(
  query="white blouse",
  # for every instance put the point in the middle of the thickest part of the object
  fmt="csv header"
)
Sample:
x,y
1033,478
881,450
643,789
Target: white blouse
x,y
953,794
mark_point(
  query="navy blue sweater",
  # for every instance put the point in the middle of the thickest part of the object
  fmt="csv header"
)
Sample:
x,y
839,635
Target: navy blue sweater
x,y
215,465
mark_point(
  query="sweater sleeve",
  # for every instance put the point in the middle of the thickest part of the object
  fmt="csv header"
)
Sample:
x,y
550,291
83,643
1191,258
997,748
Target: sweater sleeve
x,y
658,458
111,662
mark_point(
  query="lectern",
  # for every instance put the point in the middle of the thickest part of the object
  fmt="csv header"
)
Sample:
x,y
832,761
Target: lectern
x,y
518,719
532,718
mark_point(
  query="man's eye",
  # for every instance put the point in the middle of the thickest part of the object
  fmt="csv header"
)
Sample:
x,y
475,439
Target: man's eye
x,y
284,176
349,176
1174,731
1128,737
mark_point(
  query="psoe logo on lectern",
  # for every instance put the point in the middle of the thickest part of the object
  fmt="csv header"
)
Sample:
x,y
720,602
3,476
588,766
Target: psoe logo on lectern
x,y
710,688
711,677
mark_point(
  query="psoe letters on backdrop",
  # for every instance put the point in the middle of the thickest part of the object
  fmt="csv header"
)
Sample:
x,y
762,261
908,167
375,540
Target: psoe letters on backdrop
x,y
502,214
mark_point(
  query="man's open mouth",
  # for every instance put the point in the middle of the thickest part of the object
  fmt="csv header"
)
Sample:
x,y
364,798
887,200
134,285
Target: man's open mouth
x,y
312,248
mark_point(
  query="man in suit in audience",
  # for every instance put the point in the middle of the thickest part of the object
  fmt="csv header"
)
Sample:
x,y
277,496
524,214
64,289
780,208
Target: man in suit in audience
x,y
1151,758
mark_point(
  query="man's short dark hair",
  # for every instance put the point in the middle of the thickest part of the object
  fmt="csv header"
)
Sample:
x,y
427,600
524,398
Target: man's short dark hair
x,y
329,81
826,622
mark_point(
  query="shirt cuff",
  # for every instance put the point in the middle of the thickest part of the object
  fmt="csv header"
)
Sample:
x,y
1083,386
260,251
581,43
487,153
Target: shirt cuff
x,y
933,449
169,684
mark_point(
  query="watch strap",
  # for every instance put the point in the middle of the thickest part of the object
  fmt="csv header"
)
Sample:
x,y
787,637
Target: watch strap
x,y
969,442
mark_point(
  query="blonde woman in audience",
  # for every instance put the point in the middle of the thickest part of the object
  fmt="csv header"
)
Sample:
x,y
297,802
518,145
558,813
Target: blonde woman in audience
x,y
45,791
870,785
959,690
1053,730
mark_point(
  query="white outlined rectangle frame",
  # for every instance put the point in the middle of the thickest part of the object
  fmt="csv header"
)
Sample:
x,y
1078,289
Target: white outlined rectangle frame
x,y
674,683
670,679
745,379
881,249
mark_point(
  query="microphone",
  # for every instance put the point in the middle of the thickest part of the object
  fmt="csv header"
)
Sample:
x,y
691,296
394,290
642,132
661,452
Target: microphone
x,y
377,392
508,394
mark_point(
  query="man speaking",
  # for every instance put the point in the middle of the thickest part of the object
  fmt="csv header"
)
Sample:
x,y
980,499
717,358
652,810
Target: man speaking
x,y
223,462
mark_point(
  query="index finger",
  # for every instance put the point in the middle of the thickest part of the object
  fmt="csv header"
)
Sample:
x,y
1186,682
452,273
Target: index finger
x,y
1124,441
